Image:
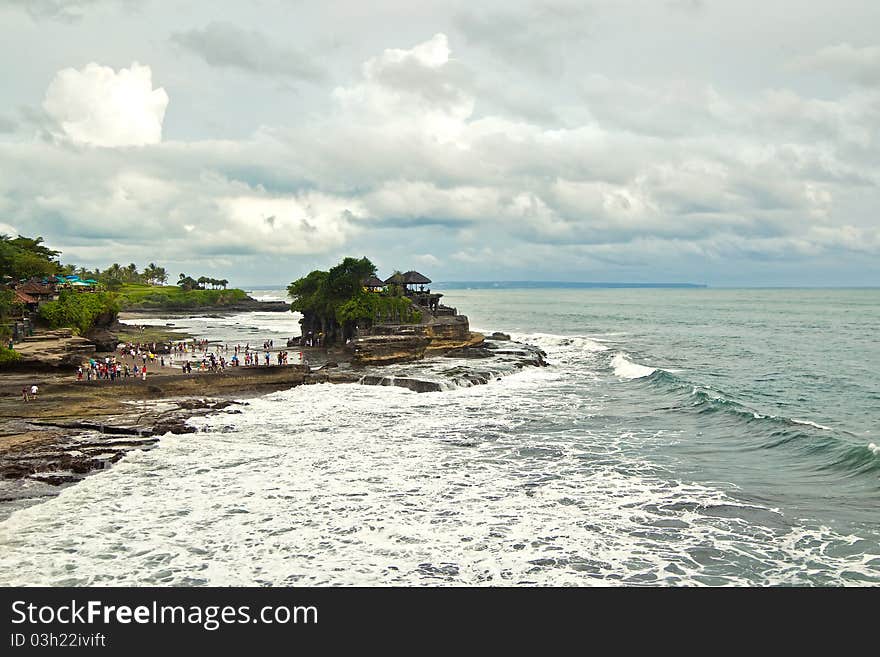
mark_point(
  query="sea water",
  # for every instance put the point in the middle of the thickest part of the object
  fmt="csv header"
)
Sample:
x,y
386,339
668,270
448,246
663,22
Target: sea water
x,y
679,437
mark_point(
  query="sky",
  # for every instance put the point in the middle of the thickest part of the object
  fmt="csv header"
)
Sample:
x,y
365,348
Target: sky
x,y
705,141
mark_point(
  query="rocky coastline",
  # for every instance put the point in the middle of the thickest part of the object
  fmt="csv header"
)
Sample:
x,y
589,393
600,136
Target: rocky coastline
x,y
74,428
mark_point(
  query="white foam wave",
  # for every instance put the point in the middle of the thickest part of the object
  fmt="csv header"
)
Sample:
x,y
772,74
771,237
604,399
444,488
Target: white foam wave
x,y
875,449
550,341
626,369
349,484
810,423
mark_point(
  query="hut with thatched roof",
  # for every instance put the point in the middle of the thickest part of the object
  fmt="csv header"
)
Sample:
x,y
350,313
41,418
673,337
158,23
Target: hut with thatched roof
x,y
373,284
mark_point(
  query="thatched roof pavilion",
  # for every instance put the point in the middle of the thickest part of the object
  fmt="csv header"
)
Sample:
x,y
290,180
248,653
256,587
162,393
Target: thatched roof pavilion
x,y
415,278
373,283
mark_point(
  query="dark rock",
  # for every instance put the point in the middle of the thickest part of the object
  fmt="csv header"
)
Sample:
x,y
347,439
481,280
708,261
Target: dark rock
x,y
497,335
195,404
16,470
469,352
416,385
56,480
174,425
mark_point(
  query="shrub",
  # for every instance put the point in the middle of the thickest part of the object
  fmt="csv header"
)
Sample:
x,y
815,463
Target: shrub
x,y
8,356
79,310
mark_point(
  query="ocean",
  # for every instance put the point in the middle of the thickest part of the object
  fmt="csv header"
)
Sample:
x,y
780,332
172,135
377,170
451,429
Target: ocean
x,y
679,437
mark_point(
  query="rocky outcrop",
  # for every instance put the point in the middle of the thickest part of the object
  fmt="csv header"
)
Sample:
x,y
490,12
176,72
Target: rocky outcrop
x,y
103,339
51,350
449,327
469,352
102,333
416,385
387,349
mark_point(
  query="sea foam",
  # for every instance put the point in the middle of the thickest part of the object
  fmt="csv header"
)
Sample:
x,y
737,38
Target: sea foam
x,y
626,369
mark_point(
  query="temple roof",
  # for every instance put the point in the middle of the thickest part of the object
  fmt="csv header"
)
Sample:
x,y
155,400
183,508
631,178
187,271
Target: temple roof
x,y
415,278
24,298
373,281
35,288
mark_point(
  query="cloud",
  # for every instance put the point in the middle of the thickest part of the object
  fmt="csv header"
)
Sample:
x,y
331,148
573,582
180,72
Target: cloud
x,y
416,92
62,10
225,45
7,125
302,224
534,38
100,107
408,158
859,64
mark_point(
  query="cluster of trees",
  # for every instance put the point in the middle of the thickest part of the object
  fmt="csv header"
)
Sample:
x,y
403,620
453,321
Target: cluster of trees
x,y
24,257
334,302
79,311
115,275
21,258
201,283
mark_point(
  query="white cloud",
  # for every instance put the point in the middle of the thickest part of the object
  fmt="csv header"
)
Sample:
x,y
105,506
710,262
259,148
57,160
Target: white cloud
x,y
308,223
411,157
860,64
412,91
100,107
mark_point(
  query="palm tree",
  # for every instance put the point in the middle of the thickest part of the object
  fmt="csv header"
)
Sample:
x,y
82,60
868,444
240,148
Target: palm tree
x,y
114,271
223,282
150,273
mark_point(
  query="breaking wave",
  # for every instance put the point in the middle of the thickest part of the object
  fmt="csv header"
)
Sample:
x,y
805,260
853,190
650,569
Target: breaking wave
x,y
626,369
826,448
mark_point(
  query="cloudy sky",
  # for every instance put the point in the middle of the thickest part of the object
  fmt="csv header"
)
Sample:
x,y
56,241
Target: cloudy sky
x,y
729,143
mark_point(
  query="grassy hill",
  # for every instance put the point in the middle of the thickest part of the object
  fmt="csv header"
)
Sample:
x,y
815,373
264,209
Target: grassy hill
x,y
135,296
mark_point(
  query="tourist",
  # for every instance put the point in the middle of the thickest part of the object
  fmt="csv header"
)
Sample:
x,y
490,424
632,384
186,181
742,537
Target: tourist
x,y
34,391
24,394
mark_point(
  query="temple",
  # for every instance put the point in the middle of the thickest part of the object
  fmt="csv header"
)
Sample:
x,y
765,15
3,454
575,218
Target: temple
x,y
434,318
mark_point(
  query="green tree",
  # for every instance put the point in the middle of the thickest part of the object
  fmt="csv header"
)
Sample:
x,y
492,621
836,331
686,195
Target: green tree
x,y
78,310
320,295
25,257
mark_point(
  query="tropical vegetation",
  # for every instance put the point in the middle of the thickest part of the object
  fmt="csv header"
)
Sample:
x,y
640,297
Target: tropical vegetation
x,y
118,286
334,303
79,311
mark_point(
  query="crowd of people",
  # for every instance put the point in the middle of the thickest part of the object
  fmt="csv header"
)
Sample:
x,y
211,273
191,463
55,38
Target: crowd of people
x,y
136,360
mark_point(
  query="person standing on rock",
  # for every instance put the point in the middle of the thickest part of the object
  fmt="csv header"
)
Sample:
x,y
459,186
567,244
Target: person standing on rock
x,y
34,391
24,394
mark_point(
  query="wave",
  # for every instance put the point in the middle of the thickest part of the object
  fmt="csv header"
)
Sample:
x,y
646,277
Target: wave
x,y
825,447
550,341
626,369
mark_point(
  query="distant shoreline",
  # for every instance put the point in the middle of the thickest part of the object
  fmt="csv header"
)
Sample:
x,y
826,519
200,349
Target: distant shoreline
x,y
526,285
